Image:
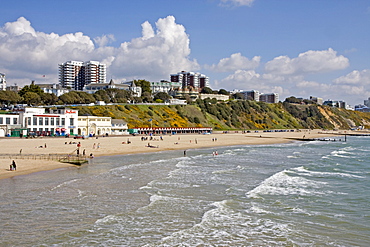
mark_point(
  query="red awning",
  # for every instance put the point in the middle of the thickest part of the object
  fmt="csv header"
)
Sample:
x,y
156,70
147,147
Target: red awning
x,y
63,129
57,129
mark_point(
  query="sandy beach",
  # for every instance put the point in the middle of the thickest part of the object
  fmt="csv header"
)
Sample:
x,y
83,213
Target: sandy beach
x,y
120,145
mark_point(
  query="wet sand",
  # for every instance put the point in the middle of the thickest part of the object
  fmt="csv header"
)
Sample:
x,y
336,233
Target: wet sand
x,y
119,145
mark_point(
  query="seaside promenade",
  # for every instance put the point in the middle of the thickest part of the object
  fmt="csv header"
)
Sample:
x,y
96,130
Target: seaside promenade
x,y
121,145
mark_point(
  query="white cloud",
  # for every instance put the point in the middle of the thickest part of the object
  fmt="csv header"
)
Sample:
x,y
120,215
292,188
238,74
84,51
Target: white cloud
x,y
235,62
308,62
238,2
355,77
27,54
104,40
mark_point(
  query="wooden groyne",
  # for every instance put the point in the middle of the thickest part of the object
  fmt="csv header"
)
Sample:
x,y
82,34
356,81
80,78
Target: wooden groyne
x,y
320,139
64,158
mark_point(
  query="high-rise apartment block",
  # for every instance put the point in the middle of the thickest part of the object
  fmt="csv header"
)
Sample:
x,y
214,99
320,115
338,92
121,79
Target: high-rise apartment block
x,y
76,74
269,97
2,82
251,95
190,79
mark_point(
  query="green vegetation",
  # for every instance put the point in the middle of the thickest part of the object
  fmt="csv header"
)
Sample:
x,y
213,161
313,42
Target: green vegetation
x,y
233,115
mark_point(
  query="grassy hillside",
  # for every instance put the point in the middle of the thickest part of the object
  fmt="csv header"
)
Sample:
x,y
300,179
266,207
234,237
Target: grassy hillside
x,y
232,115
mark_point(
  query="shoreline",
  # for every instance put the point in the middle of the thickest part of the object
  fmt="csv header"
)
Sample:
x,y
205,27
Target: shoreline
x,y
122,145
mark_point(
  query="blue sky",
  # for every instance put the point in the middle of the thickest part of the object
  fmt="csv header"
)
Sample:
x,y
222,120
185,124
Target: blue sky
x,y
292,47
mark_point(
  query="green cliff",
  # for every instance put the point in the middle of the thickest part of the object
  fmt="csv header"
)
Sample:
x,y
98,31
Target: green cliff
x,y
232,115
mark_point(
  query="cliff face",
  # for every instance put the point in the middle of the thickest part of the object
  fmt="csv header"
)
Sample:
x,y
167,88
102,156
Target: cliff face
x,y
232,115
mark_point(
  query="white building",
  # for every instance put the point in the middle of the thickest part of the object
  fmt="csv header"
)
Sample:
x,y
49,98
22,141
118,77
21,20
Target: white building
x,y
76,74
59,122
56,89
219,97
128,86
164,86
93,125
2,82
119,127
9,123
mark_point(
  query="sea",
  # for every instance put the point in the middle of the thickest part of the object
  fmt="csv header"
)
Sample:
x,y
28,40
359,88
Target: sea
x,y
296,194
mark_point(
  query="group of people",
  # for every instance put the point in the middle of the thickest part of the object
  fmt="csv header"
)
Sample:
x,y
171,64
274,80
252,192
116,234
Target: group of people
x,y
13,166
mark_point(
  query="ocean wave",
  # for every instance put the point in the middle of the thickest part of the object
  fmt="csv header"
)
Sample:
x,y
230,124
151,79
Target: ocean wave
x,y
307,172
64,184
283,184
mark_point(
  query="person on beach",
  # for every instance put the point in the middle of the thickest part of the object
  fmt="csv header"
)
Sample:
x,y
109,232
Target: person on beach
x,y
94,145
184,153
14,165
91,156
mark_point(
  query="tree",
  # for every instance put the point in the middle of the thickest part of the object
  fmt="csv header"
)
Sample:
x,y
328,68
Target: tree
x,y
145,85
31,98
238,96
223,91
9,97
48,98
31,88
147,97
162,96
293,99
206,90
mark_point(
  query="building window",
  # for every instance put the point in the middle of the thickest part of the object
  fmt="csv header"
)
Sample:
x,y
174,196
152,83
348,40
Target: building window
x,y
40,129
63,121
71,121
57,121
46,121
41,121
7,120
28,121
15,121
52,121
34,129
1,120
34,120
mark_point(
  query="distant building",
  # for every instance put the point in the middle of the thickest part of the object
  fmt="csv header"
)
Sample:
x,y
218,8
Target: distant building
x,y
251,95
76,74
269,97
219,97
190,79
335,103
164,86
128,86
2,82
362,108
317,100
56,89
186,93
367,102
14,88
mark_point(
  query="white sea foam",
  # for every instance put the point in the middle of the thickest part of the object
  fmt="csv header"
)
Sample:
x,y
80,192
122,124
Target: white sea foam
x,y
325,174
64,184
283,184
